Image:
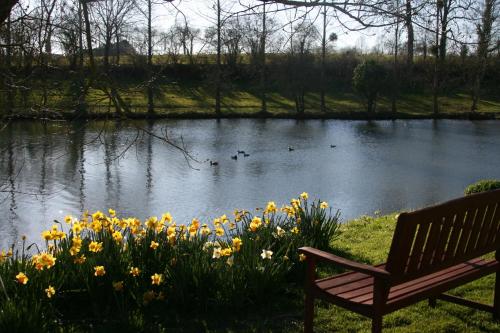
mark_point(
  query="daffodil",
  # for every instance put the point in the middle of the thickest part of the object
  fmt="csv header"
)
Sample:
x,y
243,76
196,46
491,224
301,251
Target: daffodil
x,y
302,257
217,253
295,230
280,232
156,279
80,260
219,232
95,247
266,254
112,212
255,224
21,278
50,291
304,196
323,205
271,207
117,236
237,242
226,252
135,271
99,271
154,245
43,260
230,261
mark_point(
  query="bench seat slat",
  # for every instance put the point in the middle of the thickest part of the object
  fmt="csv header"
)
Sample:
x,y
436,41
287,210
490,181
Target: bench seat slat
x,y
357,288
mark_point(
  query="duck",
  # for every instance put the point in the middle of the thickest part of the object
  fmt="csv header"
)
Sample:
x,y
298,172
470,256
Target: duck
x,y
333,146
246,155
214,163
241,152
235,157
290,148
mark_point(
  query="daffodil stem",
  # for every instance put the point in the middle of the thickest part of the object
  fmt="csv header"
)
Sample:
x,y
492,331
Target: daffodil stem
x,y
4,290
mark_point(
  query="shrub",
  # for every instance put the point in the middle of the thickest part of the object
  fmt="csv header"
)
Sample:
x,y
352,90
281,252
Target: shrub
x,y
482,186
368,79
107,268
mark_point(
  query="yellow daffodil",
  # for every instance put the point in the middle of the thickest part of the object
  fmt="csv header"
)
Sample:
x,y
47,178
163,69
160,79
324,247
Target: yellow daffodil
x,y
99,271
323,205
156,279
237,242
80,260
302,257
295,230
255,224
117,236
135,271
21,278
226,252
219,232
271,207
112,212
50,291
43,260
95,247
279,231
167,217
154,245
68,219
304,196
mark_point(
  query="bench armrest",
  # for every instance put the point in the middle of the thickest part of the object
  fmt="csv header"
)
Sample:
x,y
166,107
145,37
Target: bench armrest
x,y
345,263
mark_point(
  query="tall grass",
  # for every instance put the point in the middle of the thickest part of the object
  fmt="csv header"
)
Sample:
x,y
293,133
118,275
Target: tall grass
x,y
104,268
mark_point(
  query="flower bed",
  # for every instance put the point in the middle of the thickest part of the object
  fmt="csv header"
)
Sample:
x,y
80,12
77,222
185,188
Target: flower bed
x,y
103,266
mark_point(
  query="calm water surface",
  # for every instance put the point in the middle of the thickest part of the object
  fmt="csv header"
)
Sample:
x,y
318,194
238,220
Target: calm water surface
x,y
48,171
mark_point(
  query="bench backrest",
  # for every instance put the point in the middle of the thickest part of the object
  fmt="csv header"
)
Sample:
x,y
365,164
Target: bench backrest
x,y
434,238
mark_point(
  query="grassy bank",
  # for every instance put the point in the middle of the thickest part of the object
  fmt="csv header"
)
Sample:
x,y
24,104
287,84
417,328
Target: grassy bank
x,y
191,100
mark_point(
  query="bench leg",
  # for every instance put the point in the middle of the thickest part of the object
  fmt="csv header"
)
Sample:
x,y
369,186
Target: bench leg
x,y
377,324
496,297
432,302
309,314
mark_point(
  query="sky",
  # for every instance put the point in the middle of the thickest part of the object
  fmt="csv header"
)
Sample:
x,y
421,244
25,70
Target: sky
x,y
200,15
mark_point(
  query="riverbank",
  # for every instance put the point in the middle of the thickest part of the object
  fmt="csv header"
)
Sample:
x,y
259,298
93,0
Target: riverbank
x,y
188,102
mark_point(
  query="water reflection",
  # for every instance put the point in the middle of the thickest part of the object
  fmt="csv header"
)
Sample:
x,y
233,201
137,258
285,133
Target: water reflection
x,y
53,169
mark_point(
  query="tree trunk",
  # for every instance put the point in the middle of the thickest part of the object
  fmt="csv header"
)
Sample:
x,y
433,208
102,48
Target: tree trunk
x,y
263,85
395,68
410,33
150,61
435,83
8,64
323,56
484,37
219,69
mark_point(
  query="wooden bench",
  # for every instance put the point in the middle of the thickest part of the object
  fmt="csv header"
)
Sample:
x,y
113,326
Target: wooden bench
x,y
433,250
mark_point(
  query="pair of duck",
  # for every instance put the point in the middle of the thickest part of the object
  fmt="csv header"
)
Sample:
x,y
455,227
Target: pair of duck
x,y
240,152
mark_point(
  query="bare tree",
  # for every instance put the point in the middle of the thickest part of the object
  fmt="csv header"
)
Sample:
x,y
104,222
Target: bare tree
x,y
485,46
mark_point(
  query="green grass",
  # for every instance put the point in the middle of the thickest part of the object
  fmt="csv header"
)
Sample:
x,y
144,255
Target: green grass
x,y
194,98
